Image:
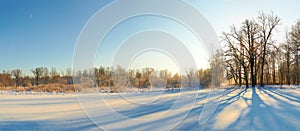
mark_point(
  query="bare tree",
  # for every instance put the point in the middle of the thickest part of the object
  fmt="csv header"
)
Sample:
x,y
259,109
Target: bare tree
x,y
38,73
5,78
250,30
17,74
217,66
54,75
267,24
287,53
68,76
242,49
295,44
120,79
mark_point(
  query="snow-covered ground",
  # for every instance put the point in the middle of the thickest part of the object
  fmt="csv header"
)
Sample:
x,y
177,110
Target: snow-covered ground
x,y
236,109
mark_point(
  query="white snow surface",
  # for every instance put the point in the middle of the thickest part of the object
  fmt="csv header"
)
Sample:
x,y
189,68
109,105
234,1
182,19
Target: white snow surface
x,y
237,109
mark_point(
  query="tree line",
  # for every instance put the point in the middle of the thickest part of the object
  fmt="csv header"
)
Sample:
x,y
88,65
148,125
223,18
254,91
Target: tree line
x,y
106,78
42,79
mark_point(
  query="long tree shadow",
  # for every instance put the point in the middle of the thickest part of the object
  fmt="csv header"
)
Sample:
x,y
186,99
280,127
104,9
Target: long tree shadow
x,y
238,120
289,97
37,125
251,117
192,121
256,115
145,111
264,117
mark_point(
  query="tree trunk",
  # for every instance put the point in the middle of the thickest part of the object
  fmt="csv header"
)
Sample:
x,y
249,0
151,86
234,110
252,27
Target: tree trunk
x,y
262,66
274,73
252,70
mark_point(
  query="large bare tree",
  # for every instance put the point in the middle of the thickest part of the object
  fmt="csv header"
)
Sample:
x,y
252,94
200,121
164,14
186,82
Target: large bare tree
x,y
267,25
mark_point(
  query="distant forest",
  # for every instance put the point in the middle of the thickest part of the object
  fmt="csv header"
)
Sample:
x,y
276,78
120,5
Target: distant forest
x,y
106,78
251,56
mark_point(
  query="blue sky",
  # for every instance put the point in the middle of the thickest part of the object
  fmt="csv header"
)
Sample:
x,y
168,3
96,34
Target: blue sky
x,y
36,33
41,33
224,13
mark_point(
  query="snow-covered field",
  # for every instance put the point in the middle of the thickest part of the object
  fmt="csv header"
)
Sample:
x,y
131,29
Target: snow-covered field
x,y
236,109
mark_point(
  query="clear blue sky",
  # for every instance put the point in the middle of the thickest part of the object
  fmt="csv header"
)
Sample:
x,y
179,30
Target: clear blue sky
x,y
36,33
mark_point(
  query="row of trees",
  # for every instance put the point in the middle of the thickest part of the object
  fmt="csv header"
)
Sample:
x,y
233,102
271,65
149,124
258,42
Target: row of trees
x,y
41,75
119,79
112,78
252,55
